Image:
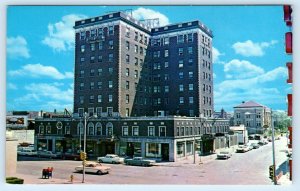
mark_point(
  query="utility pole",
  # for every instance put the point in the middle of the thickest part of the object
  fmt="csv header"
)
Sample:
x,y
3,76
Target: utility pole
x,y
273,148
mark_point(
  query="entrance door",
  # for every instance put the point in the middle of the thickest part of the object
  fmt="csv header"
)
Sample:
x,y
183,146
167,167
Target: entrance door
x,y
110,148
130,149
165,151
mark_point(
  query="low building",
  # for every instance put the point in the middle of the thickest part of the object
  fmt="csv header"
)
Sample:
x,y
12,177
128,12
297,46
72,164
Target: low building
x,y
163,138
242,134
256,117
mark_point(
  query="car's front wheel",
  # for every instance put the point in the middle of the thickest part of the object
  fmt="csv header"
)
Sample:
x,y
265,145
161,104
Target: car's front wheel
x,y
100,160
99,172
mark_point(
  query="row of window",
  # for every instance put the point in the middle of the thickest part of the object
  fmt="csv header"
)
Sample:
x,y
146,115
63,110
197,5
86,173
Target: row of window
x,y
248,116
92,85
138,37
207,112
206,51
156,54
186,131
206,100
100,58
157,89
99,72
206,64
97,32
157,65
99,113
157,101
166,40
206,76
92,46
206,88
248,123
99,99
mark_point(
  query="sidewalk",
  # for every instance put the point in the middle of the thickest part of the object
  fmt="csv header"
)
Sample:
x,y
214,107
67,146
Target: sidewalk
x,y
31,179
284,180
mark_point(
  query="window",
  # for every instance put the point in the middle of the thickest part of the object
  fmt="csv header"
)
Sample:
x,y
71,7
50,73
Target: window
x,y
127,85
162,131
209,89
141,62
92,46
92,59
136,74
166,89
190,37
109,129
93,32
127,45
209,77
82,48
92,85
100,72
191,112
81,99
82,35
238,115
141,50
100,32
111,30
191,100
127,33
190,50
110,98
166,64
166,53
156,54
166,77
180,64
82,59
191,87
81,86
190,61
191,75
127,112
81,74
80,112
166,41
151,131
68,129
136,36
135,130
203,100
145,40
181,87
110,58
136,48
127,58
110,84
141,38
91,100
99,98
100,59
180,51
92,72
111,44
100,46
125,131
99,85
98,128
127,71
110,70
180,75
181,100
91,111
127,98
180,39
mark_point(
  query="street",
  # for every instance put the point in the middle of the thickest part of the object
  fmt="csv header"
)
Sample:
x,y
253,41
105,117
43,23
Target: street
x,y
242,168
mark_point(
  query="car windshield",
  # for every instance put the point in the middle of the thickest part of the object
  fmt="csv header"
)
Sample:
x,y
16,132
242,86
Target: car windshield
x,y
224,152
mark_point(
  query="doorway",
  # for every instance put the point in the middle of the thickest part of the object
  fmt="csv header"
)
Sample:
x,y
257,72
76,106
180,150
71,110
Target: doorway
x,y
165,151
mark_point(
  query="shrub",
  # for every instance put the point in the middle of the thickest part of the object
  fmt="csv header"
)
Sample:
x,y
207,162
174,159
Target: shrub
x,y
14,180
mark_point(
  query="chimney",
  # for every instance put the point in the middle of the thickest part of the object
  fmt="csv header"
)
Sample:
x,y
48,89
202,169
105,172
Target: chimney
x,y
243,101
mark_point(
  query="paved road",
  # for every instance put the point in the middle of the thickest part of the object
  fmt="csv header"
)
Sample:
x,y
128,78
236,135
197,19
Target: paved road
x,y
242,168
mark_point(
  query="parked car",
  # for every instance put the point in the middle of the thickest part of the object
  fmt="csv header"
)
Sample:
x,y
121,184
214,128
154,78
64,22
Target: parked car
x,y
242,149
262,142
27,153
224,155
110,158
255,145
70,156
139,161
93,167
48,154
250,147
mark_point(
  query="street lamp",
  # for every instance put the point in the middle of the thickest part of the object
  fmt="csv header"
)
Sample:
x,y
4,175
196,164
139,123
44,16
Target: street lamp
x,y
86,118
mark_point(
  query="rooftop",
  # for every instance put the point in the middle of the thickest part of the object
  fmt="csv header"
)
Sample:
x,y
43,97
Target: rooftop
x,y
249,104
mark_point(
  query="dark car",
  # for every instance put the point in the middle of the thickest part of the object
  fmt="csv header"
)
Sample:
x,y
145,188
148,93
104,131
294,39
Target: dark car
x,y
71,156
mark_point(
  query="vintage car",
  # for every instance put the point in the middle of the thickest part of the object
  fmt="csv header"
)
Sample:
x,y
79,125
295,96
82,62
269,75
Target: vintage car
x,y
27,153
242,149
255,145
139,161
48,154
224,155
70,156
110,158
93,167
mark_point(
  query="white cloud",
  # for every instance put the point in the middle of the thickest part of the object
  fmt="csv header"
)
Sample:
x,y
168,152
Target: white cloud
x,y
241,69
249,48
61,34
17,47
216,54
12,86
39,70
143,13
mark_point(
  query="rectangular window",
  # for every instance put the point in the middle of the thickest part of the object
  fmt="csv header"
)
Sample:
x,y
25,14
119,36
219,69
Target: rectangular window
x,y
151,131
190,37
191,112
100,59
190,50
136,36
141,50
82,48
81,99
110,98
127,71
181,100
180,64
91,99
180,51
166,64
166,41
92,46
81,86
110,70
180,39
127,58
111,44
81,74
127,33
127,85
92,84
166,89
100,32
127,45
100,72
180,75
136,74
135,130
162,131
99,98
92,59
110,84
111,30
191,100
82,35
181,87
127,112
191,87
127,98
125,131
190,61
145,40
91,111
166,77
80,112
166,53
99,85
92,72
100,46
82,59
93,32
191,75
110,58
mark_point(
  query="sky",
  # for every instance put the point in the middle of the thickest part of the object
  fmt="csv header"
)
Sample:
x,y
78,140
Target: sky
x,y
249,59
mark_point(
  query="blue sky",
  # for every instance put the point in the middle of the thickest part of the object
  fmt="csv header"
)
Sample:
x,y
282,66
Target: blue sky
x,y
248,52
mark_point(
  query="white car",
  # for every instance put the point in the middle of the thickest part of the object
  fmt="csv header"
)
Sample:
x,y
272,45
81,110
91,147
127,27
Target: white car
x,y
93,167
224,155
110,158
242,149
27,153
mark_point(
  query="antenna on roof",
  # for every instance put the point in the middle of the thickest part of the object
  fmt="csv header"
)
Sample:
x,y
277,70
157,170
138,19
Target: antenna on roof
x,y
126,11
152,23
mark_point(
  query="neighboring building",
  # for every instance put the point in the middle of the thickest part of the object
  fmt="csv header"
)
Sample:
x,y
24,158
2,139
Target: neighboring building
x,y
256,117
242,133
222,114
162,138
125,68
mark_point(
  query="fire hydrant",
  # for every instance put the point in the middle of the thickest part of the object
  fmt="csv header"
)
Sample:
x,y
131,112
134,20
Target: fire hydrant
x,y
71,178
